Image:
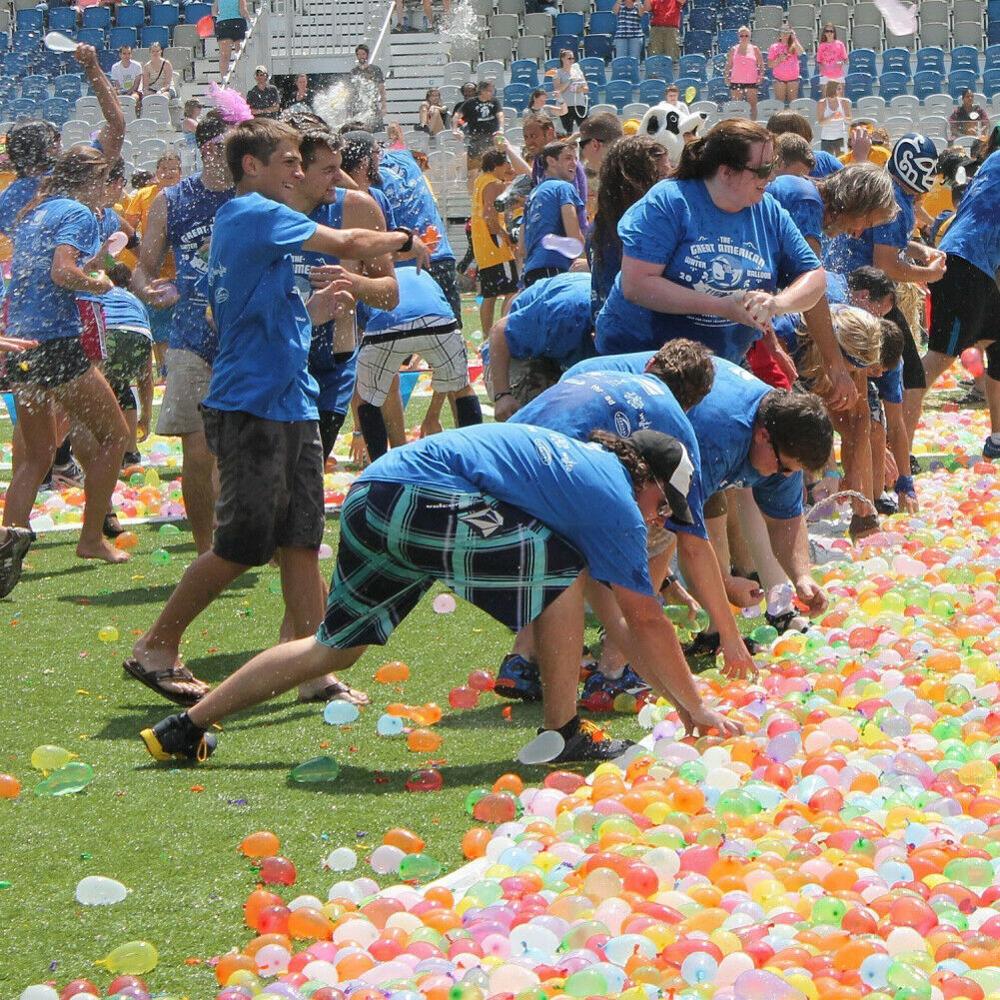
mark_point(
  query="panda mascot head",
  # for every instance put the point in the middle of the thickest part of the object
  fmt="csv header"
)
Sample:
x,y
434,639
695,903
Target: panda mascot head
x,y
668,126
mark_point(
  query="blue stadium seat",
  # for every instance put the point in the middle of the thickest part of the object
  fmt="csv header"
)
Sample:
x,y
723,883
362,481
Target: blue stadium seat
x,y
652,91
892,84
154,33
702,19
598,47
727,38
4,41
699,42
993,32
717,90
625,68
603,22
194,12
63,19
858,85
97,17
121,35
31,19
594,70
684,83
517,96
26,41
107,58
863,61
92,36
991,82
959,80
718,62
166,14
549,64
931,57
569,23
56,110
965,57
694,65
991,57
68,86
658,68
559,42
927,82
524,71
896,61
605,4
732,18
130,15
22,107
618,93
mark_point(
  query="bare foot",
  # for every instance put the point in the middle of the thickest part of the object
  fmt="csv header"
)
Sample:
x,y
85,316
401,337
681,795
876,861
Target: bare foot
x,y
102,551
330,688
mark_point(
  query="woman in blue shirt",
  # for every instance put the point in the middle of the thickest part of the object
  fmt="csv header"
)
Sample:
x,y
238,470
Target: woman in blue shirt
x,y
704,253
56,244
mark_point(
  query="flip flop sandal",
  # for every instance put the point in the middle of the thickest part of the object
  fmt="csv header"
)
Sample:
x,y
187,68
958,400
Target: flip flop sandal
x,y
337,691
153,679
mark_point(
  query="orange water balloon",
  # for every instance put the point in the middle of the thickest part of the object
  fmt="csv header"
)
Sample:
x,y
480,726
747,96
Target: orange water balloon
x,y
262,844
393,672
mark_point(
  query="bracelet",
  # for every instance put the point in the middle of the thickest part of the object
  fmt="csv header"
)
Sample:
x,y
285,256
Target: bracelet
x,y
668,581
904,484
500,395
408,233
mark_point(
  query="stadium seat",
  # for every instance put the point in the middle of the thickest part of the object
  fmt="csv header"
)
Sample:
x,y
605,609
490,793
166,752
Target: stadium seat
x,y
934,12
63,19
130,15
97,17
569,24
767,16
800,16
29,20
698,42
702,19
517,96
524,71
866,36
22,107
727,38
92,36
492,69
959,80
939,104
618,93
896,61
194,12
55,110
858,85
991,82
603,22
965,57
935,36
634,110
594,70
863,61
835,13
576,6
991,57
560,42
931,57
598,47
658,68
927,82
866,13
717,90
905,104
157,33
694,65
625,68
505,25
538,24
166,14
651,91
121,35
892,84
686,83
68,86
967,33
871,107
531,47
605,4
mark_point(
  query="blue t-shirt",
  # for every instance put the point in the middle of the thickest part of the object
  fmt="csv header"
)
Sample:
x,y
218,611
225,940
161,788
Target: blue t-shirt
x,y
845,254
108,223
826,164
229,10
723,423
38,309
422,305
802,201
191,209
411,198
604,268
542,216
387,210
123,310
975,234
621,403
264,329
17,194
580,491
677,224
551,319
889,386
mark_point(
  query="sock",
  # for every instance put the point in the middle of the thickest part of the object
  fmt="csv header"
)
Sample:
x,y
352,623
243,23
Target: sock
x,y
190,728
64,453
468,411
373,428
570,729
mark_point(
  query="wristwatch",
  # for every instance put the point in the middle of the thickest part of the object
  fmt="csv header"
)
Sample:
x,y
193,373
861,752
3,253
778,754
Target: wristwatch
x,y
408,245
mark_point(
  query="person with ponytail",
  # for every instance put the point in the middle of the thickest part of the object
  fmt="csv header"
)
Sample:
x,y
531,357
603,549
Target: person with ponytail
x,y
56,247
703,253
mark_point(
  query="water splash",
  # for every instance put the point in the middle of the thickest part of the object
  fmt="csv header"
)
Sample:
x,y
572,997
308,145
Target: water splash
x,y
332,104
460,29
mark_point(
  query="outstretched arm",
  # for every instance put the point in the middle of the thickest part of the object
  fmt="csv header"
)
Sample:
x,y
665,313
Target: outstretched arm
x,y
112,133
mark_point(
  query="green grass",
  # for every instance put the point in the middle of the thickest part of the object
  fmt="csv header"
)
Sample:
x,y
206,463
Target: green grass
x,y
144,824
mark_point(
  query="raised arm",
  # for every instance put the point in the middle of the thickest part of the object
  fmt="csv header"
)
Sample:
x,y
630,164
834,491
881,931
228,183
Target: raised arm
x,y
112,133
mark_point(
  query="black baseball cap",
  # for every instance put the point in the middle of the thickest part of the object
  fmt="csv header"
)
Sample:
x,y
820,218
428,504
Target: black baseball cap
x,y
671,467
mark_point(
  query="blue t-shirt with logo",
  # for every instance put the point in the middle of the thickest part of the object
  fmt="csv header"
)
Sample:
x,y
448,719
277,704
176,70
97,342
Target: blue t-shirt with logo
x,y
264,329
39,309
123,310
191,209
845,254
802,201
542,217
677,225
975,234
551,319
826,164
580,491
621,403
412,200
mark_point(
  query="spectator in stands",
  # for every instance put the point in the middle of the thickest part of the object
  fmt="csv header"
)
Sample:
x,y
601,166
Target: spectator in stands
x,y
831,56
597,134
301,98
433,114
673,100
468,93
158,74
968,118
491,245
482,117
631,167
629,35
368,99
571,91
231,18
538,104
263,96
664,28
126,77
833,113
783,58
552,211
430,19
744,70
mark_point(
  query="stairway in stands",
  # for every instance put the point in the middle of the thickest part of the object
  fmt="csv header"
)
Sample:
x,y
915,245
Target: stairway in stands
x,y
414,64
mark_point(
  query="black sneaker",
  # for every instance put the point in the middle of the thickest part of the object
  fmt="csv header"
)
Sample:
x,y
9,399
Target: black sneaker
x,y
914,466
887,504
590,742
518,678
12,554
131,458
178,738
70,475
991,450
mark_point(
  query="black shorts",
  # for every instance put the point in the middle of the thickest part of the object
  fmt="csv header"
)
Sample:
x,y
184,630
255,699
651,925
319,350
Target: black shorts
x,y
476,145
49,365
965,308
914,376
270,485
443,272
234,29
500,279
537,273
397,539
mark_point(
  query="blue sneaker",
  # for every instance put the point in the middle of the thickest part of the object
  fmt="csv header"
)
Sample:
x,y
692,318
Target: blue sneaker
x,y
628,683
991,449
518,678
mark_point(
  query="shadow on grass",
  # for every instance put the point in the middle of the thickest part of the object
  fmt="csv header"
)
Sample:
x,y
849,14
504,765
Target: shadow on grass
x,y
487,715
150,595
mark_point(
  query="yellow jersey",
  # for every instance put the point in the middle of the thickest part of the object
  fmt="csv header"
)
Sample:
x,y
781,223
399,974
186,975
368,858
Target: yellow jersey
x,y
878,155
489,250
134,210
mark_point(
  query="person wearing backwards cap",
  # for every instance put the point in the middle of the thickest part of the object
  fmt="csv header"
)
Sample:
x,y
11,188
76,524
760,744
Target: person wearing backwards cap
x,y
513,518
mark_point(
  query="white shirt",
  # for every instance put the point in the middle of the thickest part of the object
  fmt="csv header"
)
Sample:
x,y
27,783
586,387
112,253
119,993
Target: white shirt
x,y
126,76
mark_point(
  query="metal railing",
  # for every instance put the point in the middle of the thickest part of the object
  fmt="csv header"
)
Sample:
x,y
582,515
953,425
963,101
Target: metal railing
x,y
255,51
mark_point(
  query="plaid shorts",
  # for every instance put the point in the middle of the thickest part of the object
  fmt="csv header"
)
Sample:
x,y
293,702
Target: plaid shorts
x,y
397,539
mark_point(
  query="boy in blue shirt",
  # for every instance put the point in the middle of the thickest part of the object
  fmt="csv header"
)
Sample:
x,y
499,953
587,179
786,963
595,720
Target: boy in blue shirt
x,y
260,414
551,210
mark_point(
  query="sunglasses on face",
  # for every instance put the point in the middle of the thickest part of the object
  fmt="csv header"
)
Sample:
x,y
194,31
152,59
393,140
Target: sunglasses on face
x,y
763,172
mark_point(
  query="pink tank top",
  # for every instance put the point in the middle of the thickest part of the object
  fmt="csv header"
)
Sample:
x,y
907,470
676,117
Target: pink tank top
x,y
745,67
